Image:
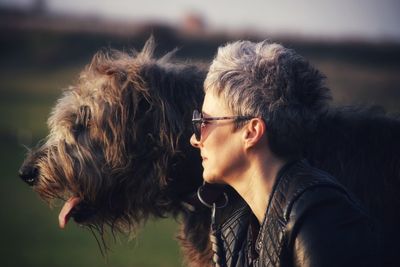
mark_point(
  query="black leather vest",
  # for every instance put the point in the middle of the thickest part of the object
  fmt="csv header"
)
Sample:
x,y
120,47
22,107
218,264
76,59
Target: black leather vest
x,y
233,235
272,244
275,241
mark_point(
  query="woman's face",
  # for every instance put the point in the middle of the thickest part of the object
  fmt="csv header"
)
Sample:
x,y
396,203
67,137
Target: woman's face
x,y
220,145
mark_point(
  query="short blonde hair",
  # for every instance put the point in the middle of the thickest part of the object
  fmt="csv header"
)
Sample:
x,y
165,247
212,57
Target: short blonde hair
x,y
274,83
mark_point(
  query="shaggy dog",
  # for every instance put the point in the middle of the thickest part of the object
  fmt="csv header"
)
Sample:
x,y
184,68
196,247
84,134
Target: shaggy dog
x,y
118,152
119,142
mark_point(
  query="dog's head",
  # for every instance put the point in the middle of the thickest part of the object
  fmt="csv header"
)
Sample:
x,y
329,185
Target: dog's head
x,y
118,145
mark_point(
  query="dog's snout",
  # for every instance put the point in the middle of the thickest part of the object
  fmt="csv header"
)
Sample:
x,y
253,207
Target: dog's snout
x,y
29,174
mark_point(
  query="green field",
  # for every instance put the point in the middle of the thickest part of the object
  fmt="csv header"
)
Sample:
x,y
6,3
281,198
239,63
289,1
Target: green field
x,y
30,234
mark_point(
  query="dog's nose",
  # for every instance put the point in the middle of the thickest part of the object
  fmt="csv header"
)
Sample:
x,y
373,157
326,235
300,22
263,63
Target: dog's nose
x,y
29,174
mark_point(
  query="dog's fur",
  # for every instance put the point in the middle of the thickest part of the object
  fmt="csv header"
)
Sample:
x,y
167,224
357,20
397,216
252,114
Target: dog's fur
x,y
119,140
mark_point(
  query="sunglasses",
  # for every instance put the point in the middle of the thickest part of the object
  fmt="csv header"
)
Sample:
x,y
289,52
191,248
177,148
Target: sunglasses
x,y
198,120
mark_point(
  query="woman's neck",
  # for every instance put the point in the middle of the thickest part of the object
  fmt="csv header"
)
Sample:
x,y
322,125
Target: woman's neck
x,y
256,183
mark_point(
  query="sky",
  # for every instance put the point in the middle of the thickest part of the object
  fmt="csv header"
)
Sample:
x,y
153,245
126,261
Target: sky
x,y
374,20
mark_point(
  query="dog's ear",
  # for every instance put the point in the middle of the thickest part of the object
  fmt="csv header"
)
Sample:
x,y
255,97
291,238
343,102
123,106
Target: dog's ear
x,y
83,117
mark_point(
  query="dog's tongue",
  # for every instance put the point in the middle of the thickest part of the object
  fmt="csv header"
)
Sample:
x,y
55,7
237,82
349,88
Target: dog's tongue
x,y
64,215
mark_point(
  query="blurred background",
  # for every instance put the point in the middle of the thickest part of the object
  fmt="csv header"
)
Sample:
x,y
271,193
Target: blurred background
x,y
45,43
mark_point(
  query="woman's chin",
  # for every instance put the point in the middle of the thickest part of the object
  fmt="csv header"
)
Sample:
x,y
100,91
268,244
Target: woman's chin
x,y
211,179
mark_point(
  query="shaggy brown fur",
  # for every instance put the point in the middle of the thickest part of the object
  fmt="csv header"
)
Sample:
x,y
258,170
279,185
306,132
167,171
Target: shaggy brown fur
x,y
119,141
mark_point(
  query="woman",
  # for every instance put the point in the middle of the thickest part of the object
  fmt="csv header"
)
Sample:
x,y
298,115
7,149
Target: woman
x,y
261,102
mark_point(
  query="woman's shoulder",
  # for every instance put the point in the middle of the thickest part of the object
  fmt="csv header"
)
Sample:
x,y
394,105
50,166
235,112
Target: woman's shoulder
x,y
331,228
300,185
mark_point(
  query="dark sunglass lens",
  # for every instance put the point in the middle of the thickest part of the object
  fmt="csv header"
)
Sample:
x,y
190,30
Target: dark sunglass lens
x,y
197,132
196,121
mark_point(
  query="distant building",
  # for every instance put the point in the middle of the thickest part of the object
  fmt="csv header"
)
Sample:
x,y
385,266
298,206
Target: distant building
x,y
193,24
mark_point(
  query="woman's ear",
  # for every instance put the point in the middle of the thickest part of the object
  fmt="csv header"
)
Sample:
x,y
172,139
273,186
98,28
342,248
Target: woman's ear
x,y
254,132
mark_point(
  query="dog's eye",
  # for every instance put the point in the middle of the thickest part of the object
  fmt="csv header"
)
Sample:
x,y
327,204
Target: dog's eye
x,y
76,129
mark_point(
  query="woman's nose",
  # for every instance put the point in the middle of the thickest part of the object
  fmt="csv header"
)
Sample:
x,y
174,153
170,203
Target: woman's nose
x,y
194,142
